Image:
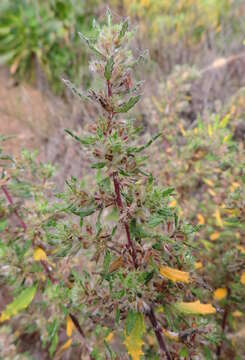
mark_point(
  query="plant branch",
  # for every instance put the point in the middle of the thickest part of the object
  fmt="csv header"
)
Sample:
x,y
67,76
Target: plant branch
x,y
149,312
10,200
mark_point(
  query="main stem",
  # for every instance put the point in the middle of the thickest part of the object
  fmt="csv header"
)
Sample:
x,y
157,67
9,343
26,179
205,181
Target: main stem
x,y
126,226
148,310
118,192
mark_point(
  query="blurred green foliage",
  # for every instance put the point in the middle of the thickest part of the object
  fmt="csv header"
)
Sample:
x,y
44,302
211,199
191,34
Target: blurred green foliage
x,y
41,37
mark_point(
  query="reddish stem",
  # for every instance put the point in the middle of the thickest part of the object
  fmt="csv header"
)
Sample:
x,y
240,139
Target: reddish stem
x,y
149,311
10,200
120,206
109,88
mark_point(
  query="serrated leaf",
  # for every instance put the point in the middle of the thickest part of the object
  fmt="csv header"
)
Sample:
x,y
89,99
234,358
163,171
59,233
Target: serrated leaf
x,y
109,68
195,308
133,338
21,302
174,274
128,105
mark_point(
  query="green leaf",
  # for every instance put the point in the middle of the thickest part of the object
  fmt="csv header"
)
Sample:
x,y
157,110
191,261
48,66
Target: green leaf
x,y
167,192
107,260
91,46
128,105
74,90
141,148
109,17
53,344
87,140
124,28
109,68
21,302
3,224
83,212
135,329
99,165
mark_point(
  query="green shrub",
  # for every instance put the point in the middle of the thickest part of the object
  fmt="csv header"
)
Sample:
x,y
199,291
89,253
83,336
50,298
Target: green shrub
x,y
42,36
110,263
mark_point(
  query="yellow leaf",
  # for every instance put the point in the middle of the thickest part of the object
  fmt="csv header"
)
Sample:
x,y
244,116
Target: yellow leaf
x,y
198,265
212,192
208,182
242,278
220,294
210,131
69,326
133,341
201,220
195,308
218,218
195,131
237,313
64,347
226,138
39,254
171,335
173,203
109,337
174,274
224,121
182,130
241,248
21,302
214,236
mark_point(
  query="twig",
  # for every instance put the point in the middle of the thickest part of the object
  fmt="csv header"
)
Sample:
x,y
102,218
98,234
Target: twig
x,y
10,200
223,325
80,330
